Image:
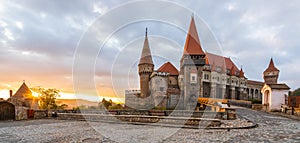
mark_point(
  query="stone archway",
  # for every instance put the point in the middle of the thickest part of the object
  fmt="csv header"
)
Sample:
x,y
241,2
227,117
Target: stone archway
x,y
267,97
7,111
248,93
256,93
252,93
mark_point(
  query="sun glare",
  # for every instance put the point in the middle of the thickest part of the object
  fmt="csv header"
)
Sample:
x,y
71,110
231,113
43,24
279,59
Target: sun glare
x,y
35,94
4,94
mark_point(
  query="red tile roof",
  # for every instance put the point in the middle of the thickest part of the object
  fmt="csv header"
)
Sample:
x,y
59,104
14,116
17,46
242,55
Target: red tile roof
x,y
252,82
229,63
232,71
279,86
213,67
192,44
223,69
220,61
271,67
168,67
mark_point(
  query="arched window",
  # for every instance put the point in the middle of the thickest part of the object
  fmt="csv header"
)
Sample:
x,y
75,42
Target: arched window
x,y
256,93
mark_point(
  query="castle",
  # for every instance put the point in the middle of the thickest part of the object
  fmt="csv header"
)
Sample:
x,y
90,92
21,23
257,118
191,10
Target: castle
x,y
201,74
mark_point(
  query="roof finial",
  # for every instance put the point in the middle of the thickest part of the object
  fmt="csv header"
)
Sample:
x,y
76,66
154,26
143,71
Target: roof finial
x,y
146,31
23,81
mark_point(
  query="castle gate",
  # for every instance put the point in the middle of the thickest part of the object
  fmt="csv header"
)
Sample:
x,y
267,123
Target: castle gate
x,y
7,111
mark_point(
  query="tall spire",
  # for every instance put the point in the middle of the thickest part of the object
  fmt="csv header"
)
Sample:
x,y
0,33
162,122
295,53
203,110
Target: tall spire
x,y
241,74
146,34
146,57
192,44
271,67
232,71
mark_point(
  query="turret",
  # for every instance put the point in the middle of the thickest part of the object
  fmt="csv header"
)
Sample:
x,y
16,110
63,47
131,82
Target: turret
x,y
271,73
145,68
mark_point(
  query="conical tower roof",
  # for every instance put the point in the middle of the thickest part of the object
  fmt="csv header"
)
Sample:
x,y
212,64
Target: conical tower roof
x,y
232,71
146,57
192,43
23,92
241,74
271,67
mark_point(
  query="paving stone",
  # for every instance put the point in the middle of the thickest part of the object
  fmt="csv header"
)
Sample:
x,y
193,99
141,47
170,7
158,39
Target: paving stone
x,y
272,128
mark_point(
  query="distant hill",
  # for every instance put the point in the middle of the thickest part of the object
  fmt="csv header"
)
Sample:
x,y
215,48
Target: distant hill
x,y
76,102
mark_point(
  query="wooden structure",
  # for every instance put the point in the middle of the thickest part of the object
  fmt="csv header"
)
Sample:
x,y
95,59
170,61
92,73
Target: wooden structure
x,y
212,103
294,101
7,111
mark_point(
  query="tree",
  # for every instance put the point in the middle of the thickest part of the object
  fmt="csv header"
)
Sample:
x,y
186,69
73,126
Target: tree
x,y
118,106
63,106
296,92
106,103
47,97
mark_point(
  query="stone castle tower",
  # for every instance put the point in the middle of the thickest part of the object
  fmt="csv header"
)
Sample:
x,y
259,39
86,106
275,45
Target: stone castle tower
x,y
191,68
145,68
271,73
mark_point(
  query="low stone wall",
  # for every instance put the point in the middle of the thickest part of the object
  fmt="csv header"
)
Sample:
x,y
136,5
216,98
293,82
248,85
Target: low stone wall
x,y
173,113
136,119
40,114
257,107
241,103
289,111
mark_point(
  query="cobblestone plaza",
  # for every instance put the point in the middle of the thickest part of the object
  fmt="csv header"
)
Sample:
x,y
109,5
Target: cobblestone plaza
x,y
271,128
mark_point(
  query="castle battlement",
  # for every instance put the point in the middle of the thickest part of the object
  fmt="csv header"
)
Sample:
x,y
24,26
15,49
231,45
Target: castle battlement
x,y
157,73
132,91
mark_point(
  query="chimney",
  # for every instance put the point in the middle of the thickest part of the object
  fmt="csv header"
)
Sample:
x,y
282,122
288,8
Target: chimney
x,y
10,93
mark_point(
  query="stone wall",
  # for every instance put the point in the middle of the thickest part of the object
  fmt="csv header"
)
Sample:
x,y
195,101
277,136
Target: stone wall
x,y
277,99
258,107
40,114
241,103
140,119
158,89
173,100
172,113
21,113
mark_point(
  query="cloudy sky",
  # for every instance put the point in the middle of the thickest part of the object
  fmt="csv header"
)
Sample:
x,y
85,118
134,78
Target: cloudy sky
x,y
43,42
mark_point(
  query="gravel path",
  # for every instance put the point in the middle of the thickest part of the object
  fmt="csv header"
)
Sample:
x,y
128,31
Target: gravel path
x,y
271,128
